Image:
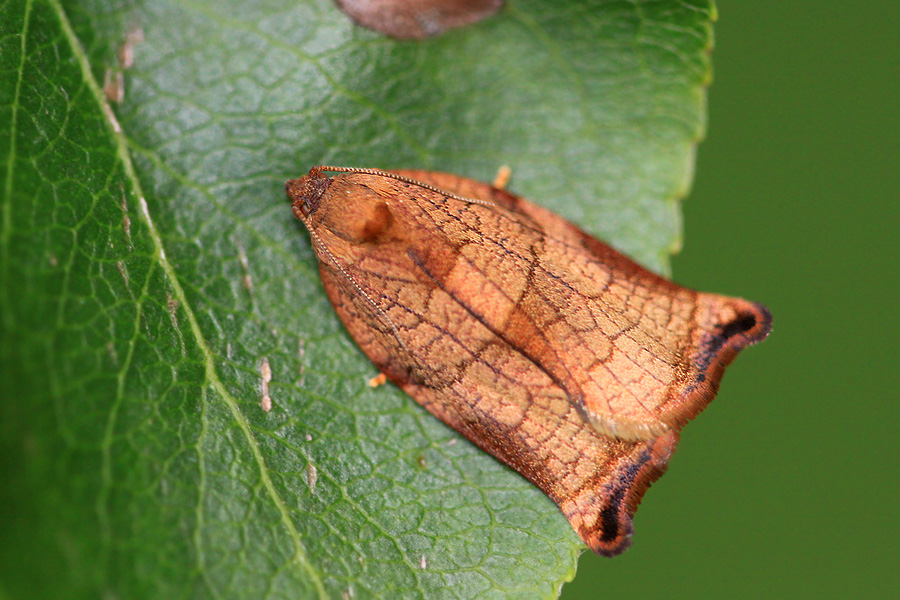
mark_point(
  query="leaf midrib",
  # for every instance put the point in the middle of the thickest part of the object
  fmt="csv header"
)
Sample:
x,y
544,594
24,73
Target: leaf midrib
x,y
159,256
5,224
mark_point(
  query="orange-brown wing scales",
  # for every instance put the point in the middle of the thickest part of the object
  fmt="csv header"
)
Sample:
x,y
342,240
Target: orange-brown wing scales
x,y
611,335
708,330
563,359
497,399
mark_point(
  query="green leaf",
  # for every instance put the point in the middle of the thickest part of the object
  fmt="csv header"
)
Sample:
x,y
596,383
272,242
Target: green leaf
x,y
149,265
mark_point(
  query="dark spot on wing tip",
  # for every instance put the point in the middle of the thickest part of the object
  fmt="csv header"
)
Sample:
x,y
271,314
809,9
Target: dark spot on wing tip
x,y
615,535
609,523
615,526
752,324
763,323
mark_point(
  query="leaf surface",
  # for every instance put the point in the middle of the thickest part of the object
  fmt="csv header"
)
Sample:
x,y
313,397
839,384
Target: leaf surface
x,y
149,264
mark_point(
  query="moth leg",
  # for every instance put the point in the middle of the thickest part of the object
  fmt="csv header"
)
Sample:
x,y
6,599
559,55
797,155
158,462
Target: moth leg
x,y
378,380
502,178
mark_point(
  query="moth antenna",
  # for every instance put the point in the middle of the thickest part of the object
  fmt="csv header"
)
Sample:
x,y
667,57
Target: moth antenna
x,y
359,289
410,180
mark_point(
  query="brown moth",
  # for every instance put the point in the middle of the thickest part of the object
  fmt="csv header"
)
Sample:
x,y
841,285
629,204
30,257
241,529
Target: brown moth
x,y
559,356
418,19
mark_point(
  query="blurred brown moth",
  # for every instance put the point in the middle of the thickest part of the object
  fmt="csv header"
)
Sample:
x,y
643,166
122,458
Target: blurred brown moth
x,y
418,19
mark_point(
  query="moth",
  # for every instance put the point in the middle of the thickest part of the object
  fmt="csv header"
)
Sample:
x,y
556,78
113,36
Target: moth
x,y
561,357
418,19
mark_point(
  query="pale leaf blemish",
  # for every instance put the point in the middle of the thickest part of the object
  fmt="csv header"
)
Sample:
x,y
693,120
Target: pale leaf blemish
x,y
312,476
126,220
301,352
423,563
308,437
126,55
114,78
502,177
111,117
123,272
126,50
114,85
111,351
145,210
172,306
228,350
265,376
245,267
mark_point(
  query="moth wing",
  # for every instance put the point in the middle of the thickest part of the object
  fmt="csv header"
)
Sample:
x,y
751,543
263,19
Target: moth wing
x,y
597,480
637,354
522,418
706,337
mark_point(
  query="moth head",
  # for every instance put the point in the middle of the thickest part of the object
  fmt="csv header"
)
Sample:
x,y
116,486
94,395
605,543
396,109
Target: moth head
x,y
307,192
346,211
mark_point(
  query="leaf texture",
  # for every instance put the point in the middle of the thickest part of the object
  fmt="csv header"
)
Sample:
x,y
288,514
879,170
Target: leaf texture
x,y
149,264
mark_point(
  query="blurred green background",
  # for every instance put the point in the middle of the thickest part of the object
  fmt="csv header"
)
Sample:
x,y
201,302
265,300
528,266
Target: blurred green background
x,y
793,470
